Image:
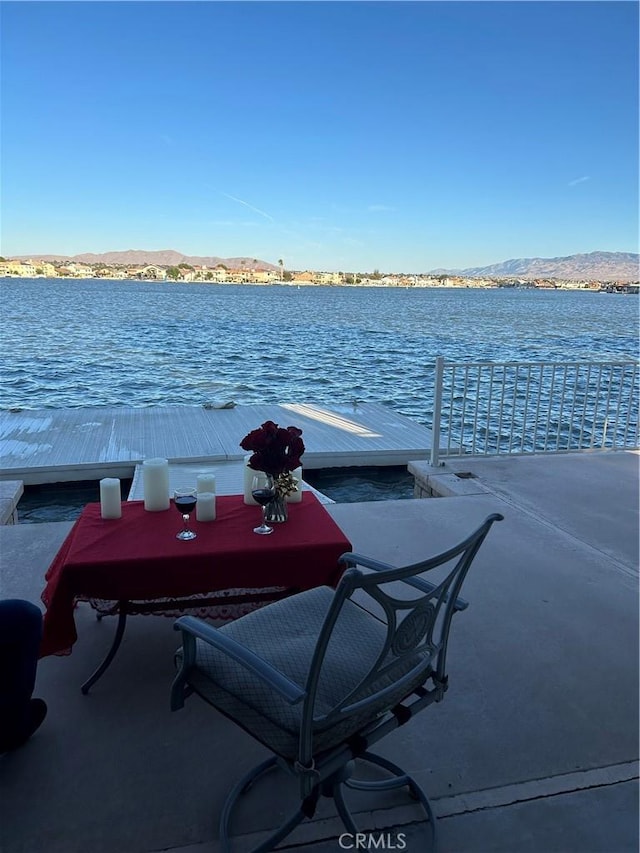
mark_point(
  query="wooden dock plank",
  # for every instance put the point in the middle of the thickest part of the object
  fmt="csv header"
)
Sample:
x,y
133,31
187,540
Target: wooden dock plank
x,y
50,445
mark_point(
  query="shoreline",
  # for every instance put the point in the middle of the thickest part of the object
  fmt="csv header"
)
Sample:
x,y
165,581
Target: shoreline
x,y
621,288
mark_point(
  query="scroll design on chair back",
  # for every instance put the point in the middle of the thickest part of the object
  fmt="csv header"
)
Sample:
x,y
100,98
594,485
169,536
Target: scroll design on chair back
x,y
416,625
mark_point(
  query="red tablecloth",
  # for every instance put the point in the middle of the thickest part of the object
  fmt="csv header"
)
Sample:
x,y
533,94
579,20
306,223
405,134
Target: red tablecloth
x,y
137,557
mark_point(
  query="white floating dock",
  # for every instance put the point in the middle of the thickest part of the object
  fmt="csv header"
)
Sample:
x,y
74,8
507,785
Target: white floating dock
x,y
56,445
229,479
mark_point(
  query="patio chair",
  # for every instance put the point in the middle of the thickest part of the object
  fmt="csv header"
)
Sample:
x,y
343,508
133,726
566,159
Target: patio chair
x,y
321,676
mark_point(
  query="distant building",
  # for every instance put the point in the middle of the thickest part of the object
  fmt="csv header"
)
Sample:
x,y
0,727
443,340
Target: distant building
x,y
24,269
153,272
80,270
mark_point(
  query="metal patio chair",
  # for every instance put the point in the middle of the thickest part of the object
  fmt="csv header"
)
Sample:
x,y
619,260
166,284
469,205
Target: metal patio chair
x,y
320,677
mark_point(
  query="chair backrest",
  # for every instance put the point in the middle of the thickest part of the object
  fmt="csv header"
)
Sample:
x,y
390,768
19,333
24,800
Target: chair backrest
x,y
408,641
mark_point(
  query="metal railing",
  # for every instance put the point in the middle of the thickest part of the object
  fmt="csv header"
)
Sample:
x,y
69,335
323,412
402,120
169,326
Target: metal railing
x,y
492,408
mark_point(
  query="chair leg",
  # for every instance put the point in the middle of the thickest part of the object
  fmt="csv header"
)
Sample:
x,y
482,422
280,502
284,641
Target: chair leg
x,y
242,787
398,780
343,809
331,787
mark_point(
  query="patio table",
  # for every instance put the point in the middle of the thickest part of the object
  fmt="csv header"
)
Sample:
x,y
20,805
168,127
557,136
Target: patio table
x,y
135,564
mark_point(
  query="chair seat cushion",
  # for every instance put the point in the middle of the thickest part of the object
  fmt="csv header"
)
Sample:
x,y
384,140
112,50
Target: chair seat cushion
x,y
285,634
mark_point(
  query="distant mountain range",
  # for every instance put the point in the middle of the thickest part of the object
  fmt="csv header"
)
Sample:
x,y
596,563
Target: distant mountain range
x,y
597,266
163,258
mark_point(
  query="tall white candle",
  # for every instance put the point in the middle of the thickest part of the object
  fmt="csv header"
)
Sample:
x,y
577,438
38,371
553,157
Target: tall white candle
x,y
206,506
249,474
155,482
296,497
110,498
206,483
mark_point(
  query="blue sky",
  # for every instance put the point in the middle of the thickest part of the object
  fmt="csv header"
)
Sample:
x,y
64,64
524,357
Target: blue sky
x,y
334,135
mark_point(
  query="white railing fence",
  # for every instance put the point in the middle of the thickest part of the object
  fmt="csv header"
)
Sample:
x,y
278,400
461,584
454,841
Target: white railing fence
x,y
492,408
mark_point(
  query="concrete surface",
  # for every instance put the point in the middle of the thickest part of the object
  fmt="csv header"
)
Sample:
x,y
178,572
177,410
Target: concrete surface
x,y
596,820
534,748
592,496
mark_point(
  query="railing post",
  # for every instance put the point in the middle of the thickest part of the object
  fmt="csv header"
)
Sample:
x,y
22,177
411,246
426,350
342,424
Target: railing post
x,y
437,409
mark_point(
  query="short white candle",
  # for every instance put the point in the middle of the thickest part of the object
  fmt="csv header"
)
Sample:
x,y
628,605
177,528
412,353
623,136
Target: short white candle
x,y
155,482
206,506
296,496
110,498
249,474
206,483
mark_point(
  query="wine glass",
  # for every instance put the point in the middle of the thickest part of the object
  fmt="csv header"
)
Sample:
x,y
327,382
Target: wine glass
x,y
263,490
185,502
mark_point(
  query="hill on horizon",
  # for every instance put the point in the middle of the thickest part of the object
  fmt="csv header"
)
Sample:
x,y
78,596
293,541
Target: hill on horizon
x,y
162,257
597,266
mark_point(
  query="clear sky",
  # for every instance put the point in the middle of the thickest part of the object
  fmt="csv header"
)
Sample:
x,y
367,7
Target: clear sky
x,y
398,136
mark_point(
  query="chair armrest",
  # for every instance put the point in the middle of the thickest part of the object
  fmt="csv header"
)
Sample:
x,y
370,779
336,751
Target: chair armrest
x,y
288,689
351,559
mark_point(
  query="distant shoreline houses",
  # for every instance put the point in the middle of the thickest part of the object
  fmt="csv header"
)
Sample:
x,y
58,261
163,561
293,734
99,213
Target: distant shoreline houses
x,y
222,274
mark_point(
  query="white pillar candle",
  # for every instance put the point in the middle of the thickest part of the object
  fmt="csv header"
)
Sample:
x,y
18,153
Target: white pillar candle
x,y
206,483
110,498
296,497
206,506
249,474
155,482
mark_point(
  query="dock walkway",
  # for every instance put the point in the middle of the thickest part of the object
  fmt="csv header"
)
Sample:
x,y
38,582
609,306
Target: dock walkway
x,y
55,445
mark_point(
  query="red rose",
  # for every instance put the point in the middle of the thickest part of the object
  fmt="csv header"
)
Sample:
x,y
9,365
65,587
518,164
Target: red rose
x,y
275,450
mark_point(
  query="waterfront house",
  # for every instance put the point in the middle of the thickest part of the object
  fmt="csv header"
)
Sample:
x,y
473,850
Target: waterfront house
x,y
153,272
24,269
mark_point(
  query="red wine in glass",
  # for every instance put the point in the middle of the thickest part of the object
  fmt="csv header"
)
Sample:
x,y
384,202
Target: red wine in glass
x,y
185,503
263,491
262,496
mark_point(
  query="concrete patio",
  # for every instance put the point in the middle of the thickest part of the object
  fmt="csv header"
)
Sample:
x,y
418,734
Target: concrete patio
x,y
535,747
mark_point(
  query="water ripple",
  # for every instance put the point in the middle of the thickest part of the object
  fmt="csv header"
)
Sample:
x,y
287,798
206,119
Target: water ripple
x,y
104,343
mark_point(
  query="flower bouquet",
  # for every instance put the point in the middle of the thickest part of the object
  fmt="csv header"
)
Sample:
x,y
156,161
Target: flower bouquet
x,y
277,451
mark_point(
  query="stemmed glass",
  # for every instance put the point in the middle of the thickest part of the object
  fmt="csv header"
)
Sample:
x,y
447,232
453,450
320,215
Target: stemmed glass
x,y
185,502
263,490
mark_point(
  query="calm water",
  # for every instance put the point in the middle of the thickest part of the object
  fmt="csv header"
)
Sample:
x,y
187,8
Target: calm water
x,y
105,343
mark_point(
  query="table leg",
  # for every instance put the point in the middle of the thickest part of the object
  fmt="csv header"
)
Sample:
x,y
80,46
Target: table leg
x,y
122,621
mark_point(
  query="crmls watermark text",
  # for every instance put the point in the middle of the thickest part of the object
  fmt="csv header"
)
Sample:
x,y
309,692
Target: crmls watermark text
x,y
372,841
